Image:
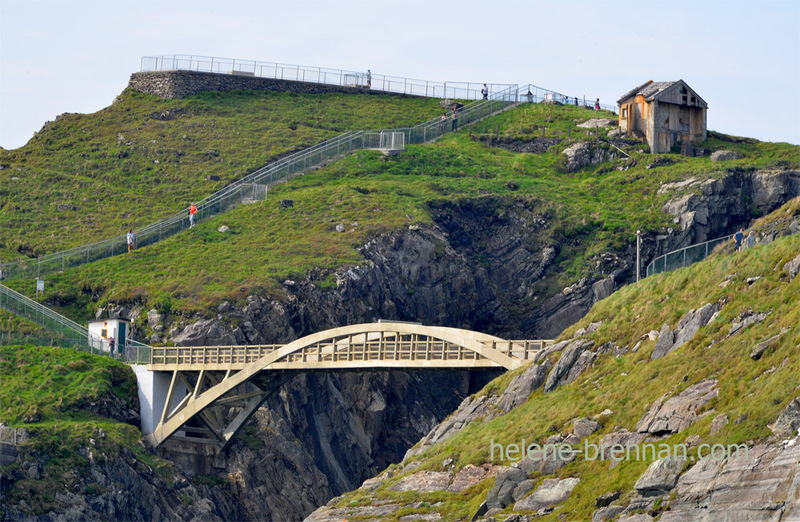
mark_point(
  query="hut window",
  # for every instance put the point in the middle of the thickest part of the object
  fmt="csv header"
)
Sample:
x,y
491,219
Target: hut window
x,y
625,112
693,99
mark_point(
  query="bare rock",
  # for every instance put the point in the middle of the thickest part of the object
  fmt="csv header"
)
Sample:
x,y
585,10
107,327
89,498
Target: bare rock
x,y
660,477
745,321
596,122
521,386
677,413
607,498
793,267
551,493
607,513
582,154
502,494
584,427
761,484
424,482
725,155
223,229
206,332
760,348
561,370
788,424
688,326
469,476
717,424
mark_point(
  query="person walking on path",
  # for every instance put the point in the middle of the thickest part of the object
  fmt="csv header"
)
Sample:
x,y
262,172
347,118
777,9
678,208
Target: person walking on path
x,y
444,122
737,238
485,92
111,345
751,240
192,211
131,240
369,79
529,95
455,118
597,104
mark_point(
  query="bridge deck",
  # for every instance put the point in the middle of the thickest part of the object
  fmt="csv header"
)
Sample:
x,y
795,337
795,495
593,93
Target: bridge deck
x,y
409,351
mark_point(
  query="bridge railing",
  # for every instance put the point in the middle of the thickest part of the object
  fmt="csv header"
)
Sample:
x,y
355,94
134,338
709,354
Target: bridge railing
x,y
65,332
321,75
686,256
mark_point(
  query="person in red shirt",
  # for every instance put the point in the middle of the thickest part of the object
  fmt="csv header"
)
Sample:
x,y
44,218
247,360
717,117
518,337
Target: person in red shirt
x,y
192,211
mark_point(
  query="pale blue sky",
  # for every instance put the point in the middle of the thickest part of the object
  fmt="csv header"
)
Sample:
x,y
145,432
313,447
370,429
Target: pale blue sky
x,y
742,57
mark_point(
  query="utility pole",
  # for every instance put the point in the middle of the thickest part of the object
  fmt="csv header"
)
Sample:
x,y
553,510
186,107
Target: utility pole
x,y
638,249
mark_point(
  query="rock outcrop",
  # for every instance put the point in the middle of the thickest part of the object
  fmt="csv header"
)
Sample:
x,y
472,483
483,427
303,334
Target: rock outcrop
x,y
573,361
670,340
677,413
723,204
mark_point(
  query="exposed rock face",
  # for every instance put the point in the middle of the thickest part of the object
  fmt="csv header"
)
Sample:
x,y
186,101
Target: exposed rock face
x,y
570,365
660,477
793,267
485,407
725,155
788,424
722,204
688,326
583,154
551,493
677,413
762,485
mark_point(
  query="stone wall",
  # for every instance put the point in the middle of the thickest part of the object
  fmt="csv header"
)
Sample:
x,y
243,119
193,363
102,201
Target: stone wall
x,y
182,84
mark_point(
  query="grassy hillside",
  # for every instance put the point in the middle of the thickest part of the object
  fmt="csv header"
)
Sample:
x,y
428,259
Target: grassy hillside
x,y
83,178
752,393
589,212
71,404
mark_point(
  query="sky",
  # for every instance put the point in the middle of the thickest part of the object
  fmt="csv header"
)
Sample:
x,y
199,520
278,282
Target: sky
x,y
741,57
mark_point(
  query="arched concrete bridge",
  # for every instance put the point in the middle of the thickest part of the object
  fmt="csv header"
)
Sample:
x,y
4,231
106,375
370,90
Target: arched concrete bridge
x,y
199,384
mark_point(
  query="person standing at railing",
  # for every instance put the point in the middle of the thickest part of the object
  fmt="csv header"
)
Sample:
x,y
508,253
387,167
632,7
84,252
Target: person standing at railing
x,y
529,95
369,79
597,104
131,240
455,118
485,92
444,122
192,211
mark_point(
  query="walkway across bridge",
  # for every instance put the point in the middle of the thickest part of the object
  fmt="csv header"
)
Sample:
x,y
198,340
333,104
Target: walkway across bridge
x,y
204,380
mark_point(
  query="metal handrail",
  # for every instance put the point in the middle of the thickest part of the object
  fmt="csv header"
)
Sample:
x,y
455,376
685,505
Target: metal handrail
x,y
686,256
254,187
320,75
69,332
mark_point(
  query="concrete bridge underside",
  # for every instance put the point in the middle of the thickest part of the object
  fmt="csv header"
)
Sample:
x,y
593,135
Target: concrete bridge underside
x,y
206,393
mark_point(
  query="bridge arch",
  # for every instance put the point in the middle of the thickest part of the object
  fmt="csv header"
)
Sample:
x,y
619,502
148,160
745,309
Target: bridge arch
x,y
245,376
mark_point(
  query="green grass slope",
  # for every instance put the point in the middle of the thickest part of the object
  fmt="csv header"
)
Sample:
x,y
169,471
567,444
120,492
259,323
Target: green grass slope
x,y
68,402
752,393
588,212
84,178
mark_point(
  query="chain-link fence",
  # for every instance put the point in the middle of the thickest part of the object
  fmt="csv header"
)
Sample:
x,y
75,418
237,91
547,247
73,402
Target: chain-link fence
x,y
727,244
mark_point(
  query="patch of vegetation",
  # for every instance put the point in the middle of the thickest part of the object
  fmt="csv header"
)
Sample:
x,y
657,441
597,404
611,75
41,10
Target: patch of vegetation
x,y
751,393
52,393
84,178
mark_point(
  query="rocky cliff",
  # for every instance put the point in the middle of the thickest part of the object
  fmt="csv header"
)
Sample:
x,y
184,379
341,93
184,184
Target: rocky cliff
x,y
477,267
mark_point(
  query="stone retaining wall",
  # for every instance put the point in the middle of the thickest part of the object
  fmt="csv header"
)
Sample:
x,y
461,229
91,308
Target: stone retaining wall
x,y
182,84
